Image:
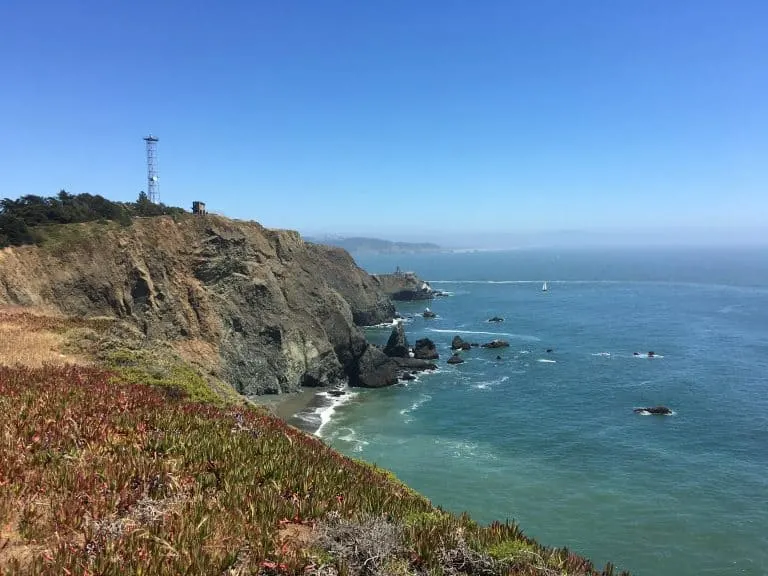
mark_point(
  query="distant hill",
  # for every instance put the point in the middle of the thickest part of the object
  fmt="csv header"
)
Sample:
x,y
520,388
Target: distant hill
x,y
360,244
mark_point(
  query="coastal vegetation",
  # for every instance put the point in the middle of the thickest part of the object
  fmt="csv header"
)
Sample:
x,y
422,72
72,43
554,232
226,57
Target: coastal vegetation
x,y
119,471
28,219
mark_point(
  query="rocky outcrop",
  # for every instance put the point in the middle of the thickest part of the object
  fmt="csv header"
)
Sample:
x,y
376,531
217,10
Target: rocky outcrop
x,y
458,343
455,359
654,410
496,319
279,313
397,345
496,344
405,286
425,349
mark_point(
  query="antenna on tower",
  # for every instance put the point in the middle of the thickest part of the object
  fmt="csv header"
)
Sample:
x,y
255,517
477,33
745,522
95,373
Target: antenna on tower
x,y
153,187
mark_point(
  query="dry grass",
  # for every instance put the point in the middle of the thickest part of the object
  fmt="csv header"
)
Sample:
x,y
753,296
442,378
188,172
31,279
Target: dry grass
x,y
27,338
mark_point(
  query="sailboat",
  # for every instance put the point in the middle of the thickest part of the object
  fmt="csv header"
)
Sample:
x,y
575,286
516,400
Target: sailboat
x,y
544,287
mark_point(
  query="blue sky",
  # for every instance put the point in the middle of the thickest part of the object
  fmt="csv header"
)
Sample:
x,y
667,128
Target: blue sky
x,y
403,119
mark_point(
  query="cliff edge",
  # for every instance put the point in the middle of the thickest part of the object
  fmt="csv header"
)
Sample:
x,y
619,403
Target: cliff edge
x,y
278,313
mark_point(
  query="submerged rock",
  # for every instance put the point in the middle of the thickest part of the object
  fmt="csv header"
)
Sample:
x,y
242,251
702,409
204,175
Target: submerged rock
x,y
336,393
496,344
496,319
425,349
428,314
655,410
407,376
455,359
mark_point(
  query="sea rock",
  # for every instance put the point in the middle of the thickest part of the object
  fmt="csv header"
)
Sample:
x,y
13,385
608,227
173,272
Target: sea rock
x,y
428,314
404,286
336,393
459,344
655,410
455,359
496,319
425,349
397,345
496,344
414,365
499,358
375,370
407,376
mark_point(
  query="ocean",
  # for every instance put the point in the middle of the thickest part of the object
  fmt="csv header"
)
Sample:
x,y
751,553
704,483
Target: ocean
x,y
550,439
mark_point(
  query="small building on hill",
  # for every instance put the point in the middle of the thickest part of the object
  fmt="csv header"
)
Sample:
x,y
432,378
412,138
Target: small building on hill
x,y
198,208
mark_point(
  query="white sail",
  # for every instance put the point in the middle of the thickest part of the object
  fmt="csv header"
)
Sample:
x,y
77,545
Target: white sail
x,y
544,287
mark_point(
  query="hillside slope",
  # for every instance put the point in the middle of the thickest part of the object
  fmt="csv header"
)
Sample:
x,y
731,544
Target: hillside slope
x,y
276,313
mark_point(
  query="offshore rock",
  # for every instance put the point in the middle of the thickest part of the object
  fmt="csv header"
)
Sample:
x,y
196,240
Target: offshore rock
x,y
404,286
397,345
425,349
496,344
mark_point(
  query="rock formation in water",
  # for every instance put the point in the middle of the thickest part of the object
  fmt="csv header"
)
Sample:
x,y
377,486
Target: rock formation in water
x,y
425,349
397,345
458,343
655,410
406,286
278,313
496,344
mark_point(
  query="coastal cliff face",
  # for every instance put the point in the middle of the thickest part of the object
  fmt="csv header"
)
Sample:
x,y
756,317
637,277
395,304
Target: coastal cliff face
x,y
279,313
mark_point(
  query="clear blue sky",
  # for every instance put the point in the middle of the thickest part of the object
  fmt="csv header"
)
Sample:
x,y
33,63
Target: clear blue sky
x,y
387,118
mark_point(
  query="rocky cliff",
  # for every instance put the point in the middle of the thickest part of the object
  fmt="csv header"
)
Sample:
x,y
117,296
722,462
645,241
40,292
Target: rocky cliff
x,y
279,312
405,286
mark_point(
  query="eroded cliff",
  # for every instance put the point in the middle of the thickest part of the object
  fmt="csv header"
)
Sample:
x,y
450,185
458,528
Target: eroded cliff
x,y
279,313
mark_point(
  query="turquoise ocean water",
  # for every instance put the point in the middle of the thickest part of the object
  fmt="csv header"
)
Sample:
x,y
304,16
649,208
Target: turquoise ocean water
x,y
550,439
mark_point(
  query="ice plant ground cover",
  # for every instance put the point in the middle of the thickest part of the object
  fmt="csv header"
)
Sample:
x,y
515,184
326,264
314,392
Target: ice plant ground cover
x,y
101,476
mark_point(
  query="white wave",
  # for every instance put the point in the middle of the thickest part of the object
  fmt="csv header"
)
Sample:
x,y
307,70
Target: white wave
x,y
490,383
647,357
395,322
325,413
546,361
351,437
483,333
604,354
424,398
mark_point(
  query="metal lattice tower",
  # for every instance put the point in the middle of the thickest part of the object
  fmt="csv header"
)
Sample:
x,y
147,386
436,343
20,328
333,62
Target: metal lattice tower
x,y
153,186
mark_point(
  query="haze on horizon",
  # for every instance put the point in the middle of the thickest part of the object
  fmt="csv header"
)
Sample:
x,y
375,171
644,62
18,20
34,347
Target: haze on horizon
x,y
485,124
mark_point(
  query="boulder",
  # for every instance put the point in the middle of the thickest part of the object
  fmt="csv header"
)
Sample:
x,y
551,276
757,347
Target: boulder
x,y
397,345
414,365
375,370
336,393
496,319
496,344
459,344
425,349
655,410
455,359
428,314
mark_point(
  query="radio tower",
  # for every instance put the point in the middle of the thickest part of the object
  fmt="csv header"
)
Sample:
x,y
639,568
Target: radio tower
x,y
153,188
